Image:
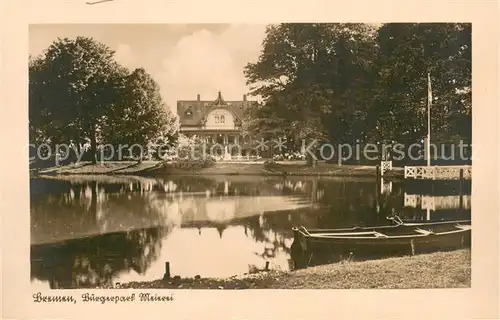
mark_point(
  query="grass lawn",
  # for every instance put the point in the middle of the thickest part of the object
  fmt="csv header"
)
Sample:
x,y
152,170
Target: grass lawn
x,y
435,270
290,168
330,169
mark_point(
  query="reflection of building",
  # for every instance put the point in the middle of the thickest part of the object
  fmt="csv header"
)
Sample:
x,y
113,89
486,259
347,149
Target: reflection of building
x,y
218,122
221,210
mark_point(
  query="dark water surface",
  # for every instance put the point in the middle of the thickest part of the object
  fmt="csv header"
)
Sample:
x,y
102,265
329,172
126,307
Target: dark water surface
x,y
96,230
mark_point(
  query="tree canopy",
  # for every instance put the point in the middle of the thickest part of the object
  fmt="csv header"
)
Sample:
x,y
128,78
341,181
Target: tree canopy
x,y
79,94
407,53
349,82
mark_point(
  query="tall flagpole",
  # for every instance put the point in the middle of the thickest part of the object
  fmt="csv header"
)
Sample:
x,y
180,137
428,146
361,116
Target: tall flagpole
x,y
429,103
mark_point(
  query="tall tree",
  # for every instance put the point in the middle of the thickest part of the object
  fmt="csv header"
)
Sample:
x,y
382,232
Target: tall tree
x,y
72,86
80,94
352,83
141,118
407,53
313,80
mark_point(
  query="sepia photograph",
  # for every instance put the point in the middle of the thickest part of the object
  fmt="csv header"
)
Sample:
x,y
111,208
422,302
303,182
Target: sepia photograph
x,y
250,156
249,159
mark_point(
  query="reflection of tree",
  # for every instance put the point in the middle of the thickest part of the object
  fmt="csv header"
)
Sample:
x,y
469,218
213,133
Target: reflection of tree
x,y
93,200
341,204
386,204
89,208
353,203
56,214
86,211
40,187
220,229
97,260
261,229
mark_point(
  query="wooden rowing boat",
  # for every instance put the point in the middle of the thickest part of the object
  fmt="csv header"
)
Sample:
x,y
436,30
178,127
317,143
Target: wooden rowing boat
x,y
403,238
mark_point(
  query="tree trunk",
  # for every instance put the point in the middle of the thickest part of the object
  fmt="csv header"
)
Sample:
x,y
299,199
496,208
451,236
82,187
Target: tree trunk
x,y
314,191
139,161
93,145
311,161
78,151
93,201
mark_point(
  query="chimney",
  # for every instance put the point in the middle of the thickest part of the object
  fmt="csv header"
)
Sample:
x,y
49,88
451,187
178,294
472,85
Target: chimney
x,y
198,97
244,98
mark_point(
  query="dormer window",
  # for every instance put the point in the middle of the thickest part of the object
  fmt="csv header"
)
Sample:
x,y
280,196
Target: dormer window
x,y
219,119
188,112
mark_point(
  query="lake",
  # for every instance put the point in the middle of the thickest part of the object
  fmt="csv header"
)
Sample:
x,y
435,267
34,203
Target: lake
x,y
101,230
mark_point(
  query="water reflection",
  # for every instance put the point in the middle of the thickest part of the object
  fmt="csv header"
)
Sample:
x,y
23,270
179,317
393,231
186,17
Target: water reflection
x,y
437,202
96,260
88,231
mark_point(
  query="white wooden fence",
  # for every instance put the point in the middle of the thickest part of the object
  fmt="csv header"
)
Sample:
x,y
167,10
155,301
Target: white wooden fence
x,y
438,172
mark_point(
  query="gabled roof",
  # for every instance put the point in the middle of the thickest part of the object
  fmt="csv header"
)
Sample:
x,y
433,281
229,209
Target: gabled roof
x,y
219,101
200,108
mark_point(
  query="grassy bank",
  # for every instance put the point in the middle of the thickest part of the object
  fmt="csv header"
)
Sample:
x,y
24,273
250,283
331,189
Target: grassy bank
x,y
435,270
109,167
154,168
328,169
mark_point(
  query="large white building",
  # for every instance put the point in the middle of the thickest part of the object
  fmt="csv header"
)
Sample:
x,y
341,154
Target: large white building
x,y
216,121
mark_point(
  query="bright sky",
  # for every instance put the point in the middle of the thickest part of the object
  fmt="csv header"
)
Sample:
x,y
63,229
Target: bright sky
x,y
184,59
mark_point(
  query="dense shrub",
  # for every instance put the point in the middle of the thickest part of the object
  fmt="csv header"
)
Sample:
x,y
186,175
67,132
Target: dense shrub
x,y
189,154
188,164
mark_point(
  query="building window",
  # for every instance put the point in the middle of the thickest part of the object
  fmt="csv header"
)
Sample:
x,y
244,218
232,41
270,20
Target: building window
x,y
189,112
219,119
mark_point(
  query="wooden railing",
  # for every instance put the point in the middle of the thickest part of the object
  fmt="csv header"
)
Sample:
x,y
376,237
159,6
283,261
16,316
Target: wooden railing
x,y
438,172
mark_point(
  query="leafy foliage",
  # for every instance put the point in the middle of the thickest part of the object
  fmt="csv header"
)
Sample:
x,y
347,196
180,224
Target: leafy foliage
x,y
349,83
191,153
407,52
310,75
142,118
79,94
